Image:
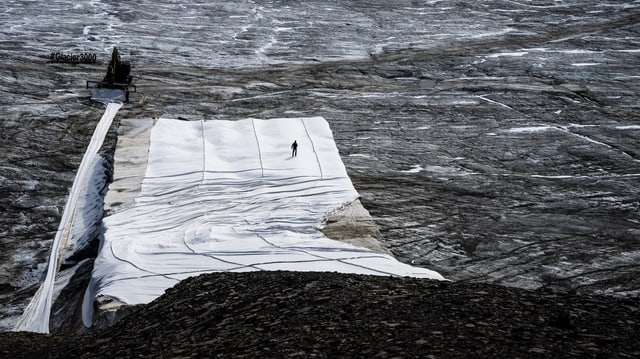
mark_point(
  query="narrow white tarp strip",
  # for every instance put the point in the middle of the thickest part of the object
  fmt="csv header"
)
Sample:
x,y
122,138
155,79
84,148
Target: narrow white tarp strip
x,y
36,316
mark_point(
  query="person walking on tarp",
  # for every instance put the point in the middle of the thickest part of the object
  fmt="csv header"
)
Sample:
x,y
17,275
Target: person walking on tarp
x,y
294,149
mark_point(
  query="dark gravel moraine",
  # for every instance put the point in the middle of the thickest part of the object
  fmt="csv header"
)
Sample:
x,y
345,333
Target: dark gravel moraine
x,y
329,315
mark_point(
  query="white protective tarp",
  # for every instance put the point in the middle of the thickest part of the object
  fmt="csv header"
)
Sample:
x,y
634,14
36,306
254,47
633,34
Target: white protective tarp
x,y
36,316
229,196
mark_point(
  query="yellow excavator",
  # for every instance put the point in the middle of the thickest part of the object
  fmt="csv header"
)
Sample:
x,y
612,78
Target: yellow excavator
x,y
116,83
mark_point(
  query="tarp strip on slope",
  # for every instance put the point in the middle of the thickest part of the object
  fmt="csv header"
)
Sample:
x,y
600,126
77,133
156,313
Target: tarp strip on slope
x,y
228,196
36,316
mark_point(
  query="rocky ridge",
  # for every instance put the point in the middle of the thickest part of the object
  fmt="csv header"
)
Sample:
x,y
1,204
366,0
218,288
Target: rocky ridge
x,y
327,315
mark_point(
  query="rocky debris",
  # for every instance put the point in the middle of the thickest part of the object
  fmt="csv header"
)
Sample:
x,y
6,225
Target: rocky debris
x,y
353,224
326,315
130,162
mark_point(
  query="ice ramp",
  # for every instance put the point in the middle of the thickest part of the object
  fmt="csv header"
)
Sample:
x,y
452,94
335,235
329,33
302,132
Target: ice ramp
x,y
229,196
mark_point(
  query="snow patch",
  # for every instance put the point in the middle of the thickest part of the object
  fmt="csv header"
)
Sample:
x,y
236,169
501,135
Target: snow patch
x,y
414,169
512,54
528,129
582,64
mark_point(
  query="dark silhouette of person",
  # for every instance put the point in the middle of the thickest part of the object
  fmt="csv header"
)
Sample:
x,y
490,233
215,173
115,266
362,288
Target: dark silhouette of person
x,y
294,149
